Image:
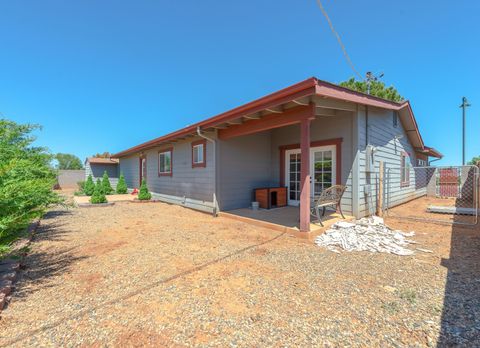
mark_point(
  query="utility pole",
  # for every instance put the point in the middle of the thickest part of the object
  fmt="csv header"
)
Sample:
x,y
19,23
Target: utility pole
x,y
464,107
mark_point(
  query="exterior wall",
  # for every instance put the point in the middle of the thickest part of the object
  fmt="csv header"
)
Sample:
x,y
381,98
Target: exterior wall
x,y
245,164
70,178
193,187
322,128
381,134
97,170
253,161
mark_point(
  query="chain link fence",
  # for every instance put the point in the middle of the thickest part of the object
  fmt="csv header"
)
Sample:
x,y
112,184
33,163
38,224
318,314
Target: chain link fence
x,y
436,194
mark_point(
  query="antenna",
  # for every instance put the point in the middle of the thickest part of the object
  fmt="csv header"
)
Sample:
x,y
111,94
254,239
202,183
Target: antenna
x,y
369,77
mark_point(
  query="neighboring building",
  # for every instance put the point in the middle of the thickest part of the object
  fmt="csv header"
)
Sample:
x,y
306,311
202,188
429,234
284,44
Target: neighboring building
x,y
217,163
96,166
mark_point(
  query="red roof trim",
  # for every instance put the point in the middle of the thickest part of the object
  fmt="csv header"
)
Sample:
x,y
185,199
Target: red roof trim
x,y
308,87
102,160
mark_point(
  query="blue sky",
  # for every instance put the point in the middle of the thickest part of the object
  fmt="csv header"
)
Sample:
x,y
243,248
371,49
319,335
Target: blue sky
x,y
107,75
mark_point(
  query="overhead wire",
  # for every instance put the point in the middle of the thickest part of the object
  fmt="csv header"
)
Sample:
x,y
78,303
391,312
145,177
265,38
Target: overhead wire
x,y
342,46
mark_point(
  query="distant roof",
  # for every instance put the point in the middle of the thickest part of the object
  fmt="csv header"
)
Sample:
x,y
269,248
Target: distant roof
x,y
100,160
306,89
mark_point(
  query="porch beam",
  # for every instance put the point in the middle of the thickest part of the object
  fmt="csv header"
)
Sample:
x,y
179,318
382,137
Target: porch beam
x,y
271,121
305,175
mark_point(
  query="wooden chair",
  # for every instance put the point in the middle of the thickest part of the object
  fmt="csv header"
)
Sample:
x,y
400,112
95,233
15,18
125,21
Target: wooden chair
x,y
329,197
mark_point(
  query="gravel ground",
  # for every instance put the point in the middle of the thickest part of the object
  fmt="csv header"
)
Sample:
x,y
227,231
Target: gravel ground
x,y
161,275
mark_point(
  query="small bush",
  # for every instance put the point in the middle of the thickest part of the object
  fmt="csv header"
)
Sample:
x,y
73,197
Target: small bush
x,y
107,188
122,185
81,186
144,195
98,196
89,186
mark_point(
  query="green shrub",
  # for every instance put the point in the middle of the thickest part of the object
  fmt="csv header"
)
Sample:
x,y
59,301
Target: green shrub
x,y
89,186
144,195
98,195
107,188
26,180
122,185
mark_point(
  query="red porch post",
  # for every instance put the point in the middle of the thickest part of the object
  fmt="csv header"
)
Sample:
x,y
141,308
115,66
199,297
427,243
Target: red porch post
x,y
305,175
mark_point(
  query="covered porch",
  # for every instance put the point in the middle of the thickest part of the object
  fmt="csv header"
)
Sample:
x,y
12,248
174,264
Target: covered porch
x,y
268,151
283,219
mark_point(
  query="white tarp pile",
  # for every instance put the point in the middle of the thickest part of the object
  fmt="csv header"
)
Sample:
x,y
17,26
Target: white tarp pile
x,y
366,234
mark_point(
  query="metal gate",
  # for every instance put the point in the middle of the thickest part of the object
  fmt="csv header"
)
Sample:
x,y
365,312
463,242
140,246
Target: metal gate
x,y
436,194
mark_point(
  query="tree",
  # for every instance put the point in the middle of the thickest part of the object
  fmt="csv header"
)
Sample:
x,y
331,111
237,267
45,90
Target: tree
x,y
122,185
26,179
98,194
68,161
474,161
89,186
144,195
107,188
377,89
106,154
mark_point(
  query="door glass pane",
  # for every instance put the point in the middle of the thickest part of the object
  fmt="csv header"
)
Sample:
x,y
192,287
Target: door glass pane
x,y
322,167
294,176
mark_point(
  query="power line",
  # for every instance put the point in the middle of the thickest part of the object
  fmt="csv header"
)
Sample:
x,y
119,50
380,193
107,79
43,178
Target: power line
x,y
342,46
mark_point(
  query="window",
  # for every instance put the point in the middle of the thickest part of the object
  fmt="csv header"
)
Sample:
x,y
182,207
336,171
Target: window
x,y
199,153
165,162
395,119
421,163
405,169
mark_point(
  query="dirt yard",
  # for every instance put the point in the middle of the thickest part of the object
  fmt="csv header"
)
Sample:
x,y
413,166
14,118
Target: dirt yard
x,y
161,275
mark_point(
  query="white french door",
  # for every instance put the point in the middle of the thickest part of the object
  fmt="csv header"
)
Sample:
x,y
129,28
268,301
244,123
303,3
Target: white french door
x,y
322,171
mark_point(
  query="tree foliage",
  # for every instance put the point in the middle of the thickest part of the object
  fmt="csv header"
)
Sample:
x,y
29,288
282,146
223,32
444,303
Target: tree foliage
x,y
26,178
68,161
107,187
122,185
144,194
474,160
105,154
377,88
89,186
98,194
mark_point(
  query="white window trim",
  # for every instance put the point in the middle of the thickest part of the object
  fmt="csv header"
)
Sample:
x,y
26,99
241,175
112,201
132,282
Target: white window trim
x,y
199,151
164,164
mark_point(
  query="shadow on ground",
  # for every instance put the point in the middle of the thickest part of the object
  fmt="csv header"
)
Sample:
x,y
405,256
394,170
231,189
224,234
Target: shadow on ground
x,y
40,266
461,309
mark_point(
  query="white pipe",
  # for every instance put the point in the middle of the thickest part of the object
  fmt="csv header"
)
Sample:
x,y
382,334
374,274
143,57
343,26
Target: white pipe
x,y
214,142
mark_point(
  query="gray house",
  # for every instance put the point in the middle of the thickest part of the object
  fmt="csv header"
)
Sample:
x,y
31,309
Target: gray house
x,y
96,166
216,164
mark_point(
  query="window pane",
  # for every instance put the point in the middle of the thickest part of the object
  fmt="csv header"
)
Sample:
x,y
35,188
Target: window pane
x,y
164,162
161,161
327,165
168,167
200,153
197,153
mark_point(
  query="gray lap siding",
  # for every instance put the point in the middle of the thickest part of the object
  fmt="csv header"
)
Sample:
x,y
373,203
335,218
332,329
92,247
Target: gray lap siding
x,y
195,183
252,161
245,163
96,170
381,134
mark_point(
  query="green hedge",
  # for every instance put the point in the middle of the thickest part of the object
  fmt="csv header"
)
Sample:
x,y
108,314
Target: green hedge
x,y
27,179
